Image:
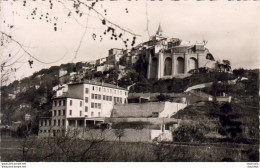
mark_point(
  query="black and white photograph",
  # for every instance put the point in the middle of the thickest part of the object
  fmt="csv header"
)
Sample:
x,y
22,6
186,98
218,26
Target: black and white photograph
x,y
129,81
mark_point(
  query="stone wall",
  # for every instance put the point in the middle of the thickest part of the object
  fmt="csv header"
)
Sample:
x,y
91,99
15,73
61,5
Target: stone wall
x,y
127,135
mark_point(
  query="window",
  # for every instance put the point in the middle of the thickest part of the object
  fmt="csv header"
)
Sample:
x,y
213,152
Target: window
x,y
155,114
96,96
120,100
64,112
99,105
86,99
117,99
99,114
59,112
100,89
54,114
95,105
70,112
55,103
92,96
86,108
63,122
54,122
80,113
64,102
58,122
44,131
92,114
70,102
80,103
114,99
92,105
104,89
86,90
104,97
93,88
99,97
59,102
120,92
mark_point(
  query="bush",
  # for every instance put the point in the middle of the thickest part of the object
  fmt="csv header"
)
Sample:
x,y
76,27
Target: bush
x,y
189,132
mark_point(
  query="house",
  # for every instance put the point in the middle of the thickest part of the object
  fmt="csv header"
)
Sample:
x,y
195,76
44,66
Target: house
x,y
105,67
45,124
114,55
100,61
156,114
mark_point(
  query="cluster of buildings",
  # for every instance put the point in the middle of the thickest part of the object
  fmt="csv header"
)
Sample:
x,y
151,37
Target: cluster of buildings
x,y
163,57
91,104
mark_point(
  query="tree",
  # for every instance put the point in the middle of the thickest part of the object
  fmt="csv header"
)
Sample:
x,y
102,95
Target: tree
x,y
230,127
191,131
119,133
78,11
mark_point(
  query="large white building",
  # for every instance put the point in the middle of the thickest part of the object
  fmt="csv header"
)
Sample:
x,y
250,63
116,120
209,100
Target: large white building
x,y
84,104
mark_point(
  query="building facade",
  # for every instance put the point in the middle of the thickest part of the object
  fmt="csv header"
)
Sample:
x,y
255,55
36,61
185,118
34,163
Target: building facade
x,y
171,57
83,105
114,55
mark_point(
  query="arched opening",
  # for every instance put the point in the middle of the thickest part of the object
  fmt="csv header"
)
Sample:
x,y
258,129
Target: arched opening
x,y
154,67
168,66
180,65
193,63
209,56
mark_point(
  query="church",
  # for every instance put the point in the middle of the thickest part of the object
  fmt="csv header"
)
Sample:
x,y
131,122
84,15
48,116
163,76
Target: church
x,y
171,57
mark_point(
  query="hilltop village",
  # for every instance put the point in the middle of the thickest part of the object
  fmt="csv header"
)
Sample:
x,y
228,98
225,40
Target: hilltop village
x,y
81,103
142,94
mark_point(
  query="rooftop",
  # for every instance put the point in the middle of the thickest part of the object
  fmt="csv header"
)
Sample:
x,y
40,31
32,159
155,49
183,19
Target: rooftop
x,y
137,110
65,95
99,84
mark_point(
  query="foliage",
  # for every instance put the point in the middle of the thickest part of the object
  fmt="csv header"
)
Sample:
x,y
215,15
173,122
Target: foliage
x,y
119,133
122,61
57,149
189,132
162,97
230,127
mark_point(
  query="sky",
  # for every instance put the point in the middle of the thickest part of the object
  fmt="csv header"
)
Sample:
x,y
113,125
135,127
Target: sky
x,y
232,30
